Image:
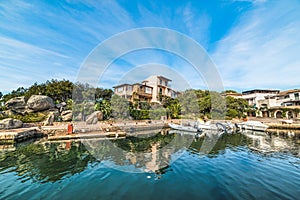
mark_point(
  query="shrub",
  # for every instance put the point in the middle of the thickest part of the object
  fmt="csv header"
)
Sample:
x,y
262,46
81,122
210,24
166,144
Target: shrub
x,y
31,117
232,113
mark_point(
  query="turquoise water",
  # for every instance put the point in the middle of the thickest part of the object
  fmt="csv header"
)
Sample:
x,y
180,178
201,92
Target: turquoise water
x,y
238,167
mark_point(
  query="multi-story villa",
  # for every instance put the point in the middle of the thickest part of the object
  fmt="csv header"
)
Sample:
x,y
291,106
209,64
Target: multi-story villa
x,y
149,90
273,103
254,96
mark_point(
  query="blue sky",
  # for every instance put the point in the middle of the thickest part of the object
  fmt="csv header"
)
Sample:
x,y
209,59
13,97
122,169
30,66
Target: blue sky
x,y
253,43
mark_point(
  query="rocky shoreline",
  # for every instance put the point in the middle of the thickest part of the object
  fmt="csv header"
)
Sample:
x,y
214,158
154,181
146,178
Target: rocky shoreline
x,y
14,130
80,130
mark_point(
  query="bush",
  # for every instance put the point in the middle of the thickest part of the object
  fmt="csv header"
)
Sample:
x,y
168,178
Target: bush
x,y
228,118
232,113
139,114
157,114
2,108
31,117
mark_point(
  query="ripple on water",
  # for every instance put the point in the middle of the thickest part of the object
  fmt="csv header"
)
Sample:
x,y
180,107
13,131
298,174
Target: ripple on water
x,y
232,172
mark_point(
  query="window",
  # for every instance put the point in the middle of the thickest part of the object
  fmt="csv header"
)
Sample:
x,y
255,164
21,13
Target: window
x,y
174,95
160,90
148,90
120,89
129,88
160,81
296,96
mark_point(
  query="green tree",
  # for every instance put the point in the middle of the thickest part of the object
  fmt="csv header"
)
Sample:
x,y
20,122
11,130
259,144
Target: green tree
x,y
105,107
21,91
205,105
218,104
229,91
120,107
172,106
103,94
189,103
144,105
237,104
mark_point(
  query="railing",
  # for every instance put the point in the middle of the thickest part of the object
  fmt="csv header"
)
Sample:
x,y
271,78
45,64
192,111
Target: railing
x,y
143,93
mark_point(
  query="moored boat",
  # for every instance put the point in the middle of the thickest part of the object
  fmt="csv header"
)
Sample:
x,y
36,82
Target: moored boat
x,y
184,128
252,125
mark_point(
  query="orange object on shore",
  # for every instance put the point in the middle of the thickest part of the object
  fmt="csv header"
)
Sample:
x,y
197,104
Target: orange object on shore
x,y
70,128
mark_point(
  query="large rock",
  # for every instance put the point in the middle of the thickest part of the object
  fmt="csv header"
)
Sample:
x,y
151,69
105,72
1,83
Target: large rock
x,y
50,119
78,117
8,113
61,106
10,123
40,103
17,104
94,117
67,115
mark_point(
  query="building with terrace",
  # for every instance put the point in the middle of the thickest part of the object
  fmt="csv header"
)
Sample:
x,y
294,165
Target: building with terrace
x,y
150,90
273,103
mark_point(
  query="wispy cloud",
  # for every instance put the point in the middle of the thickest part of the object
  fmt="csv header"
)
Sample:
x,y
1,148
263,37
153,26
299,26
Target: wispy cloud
x,y
262,51
52,39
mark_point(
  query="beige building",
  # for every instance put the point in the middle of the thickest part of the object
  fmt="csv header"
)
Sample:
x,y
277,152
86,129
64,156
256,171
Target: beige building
x,y
274,103
149,90
254,96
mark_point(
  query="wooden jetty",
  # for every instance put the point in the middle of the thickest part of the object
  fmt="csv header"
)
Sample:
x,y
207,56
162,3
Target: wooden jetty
x,y
19,135
90,135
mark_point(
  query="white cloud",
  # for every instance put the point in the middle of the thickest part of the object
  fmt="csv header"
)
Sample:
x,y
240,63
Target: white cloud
x,y
262,51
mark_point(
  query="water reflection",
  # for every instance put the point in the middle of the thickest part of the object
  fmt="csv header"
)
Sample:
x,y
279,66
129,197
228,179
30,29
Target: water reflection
x,y
269,143
47,161
140,154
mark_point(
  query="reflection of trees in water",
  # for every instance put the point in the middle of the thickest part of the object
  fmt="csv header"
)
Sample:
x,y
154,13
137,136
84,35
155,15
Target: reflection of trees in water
x,y
53,161
47,162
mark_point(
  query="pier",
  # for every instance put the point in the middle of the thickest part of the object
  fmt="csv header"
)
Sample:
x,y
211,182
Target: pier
x,y
19,135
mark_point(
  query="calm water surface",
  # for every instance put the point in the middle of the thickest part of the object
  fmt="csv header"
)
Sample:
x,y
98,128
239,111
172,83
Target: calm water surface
x,y
240,166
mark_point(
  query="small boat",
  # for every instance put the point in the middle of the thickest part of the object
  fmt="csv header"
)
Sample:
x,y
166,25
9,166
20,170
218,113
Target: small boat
x,y
253,125
184,128
224,127
195,134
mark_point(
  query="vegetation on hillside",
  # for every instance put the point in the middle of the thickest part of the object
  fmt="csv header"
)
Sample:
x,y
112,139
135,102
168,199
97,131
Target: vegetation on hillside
x,y
191,103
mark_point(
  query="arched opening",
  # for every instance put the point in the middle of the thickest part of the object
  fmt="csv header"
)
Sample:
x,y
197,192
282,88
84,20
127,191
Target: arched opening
x,y
265,114
278,114
290,114
251,114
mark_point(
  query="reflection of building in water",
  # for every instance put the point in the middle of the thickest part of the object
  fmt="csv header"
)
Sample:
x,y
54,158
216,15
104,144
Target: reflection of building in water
x,y
270,143
153,160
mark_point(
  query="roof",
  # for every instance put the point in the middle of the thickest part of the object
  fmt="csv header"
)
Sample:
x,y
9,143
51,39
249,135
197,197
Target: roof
x,y
260,91
287,92
232,94
164,78
290,107
121,85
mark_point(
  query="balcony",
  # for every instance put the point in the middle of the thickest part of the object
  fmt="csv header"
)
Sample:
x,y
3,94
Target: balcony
x,y
142,92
